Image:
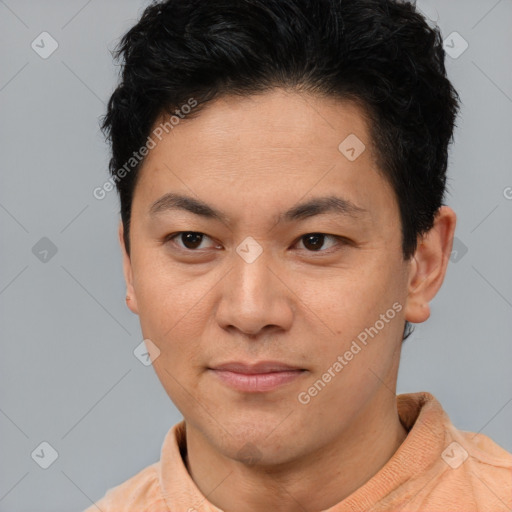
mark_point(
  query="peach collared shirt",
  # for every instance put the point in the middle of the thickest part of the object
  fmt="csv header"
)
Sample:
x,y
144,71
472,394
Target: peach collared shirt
x,y
437,468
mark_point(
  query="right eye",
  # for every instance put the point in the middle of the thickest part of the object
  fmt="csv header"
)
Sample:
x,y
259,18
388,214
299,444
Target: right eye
x,y
191,240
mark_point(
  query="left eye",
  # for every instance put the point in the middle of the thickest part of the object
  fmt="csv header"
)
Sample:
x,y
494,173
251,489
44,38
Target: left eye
x,y
314,241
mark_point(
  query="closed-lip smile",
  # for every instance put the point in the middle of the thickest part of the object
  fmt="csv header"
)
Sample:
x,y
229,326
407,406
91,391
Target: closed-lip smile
x,y
257,377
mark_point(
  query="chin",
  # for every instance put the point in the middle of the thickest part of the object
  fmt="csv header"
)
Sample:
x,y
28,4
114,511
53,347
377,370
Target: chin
x,y
259,448
251,454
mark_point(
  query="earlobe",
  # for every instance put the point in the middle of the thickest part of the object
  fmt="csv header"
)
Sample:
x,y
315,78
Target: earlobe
x,y
429,264
131,298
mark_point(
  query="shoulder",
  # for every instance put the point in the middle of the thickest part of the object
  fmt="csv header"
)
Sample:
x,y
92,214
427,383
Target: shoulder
x,y
139,493
487,458
451,469
477,473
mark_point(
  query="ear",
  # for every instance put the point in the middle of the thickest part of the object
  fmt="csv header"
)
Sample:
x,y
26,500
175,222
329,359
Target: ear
x,y
428,265
131,298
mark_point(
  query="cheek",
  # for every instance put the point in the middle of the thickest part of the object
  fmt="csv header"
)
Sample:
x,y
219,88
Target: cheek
x,y
346,301
167,297
171,316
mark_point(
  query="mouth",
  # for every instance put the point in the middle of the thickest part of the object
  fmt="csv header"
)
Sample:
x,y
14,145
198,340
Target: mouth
x,y
256,378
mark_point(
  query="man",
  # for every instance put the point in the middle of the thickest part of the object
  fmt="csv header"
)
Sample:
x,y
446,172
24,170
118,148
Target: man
x,y
281,166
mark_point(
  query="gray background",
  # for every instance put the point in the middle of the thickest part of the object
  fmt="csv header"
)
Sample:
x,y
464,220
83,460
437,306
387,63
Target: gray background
x,y
68,372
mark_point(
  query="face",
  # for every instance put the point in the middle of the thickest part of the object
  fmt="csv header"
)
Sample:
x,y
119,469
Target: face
x,y
269,271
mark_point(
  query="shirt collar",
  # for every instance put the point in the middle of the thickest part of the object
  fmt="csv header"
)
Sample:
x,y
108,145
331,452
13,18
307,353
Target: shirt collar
x,y
420,413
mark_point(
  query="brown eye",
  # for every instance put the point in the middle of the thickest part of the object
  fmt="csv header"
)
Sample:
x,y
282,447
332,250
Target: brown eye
x,y
314,242
190,240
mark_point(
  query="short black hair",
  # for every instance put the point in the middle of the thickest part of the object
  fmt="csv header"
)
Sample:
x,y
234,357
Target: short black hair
x,y
381,54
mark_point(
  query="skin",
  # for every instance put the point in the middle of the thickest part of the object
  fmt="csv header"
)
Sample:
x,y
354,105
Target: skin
x,y
252,159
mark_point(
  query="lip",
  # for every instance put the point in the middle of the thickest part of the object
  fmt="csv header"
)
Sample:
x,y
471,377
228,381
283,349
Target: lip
x,y
257,377
255,368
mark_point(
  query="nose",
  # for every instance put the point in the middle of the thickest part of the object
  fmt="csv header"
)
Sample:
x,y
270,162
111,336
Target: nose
x,y
255,296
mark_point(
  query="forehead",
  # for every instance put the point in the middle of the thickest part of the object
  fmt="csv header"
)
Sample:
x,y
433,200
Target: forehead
x,y
274,120
269,150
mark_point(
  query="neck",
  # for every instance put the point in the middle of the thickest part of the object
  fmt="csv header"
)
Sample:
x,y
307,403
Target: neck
x,y
315,482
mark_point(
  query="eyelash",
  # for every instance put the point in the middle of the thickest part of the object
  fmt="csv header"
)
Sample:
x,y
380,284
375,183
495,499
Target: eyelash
x,y
341,240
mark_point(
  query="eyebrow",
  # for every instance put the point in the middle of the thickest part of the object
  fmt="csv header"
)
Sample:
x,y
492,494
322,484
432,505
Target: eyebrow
x,y
311,208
